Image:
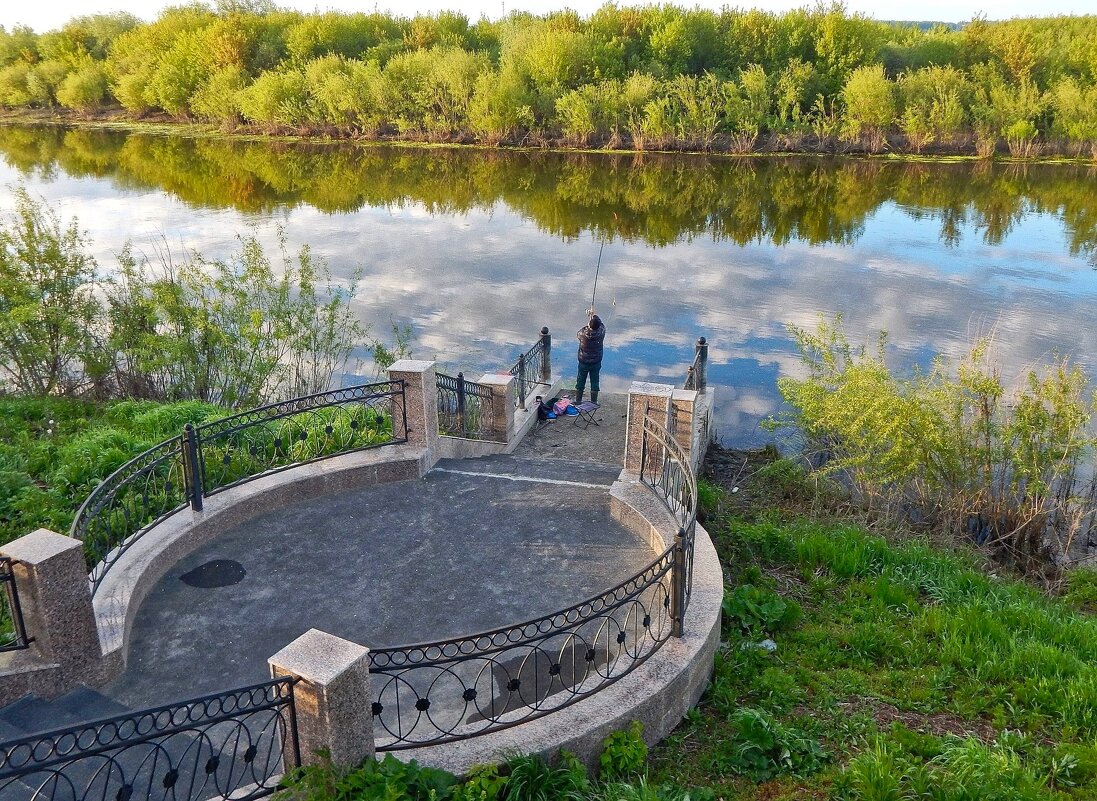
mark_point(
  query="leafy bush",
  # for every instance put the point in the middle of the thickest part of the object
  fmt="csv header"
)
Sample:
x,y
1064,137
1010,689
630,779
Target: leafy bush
x,y
531,778
763,748
47,305
951,444
386,778
239,332
624,754
756,610
481,783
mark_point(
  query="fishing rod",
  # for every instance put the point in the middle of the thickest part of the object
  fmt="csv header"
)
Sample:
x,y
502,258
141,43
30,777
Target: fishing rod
x,y
597,270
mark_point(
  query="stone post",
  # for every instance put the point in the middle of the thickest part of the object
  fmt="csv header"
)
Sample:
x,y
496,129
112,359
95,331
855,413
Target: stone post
x,y
420,400
655,400
502,405
683,404
701,360
331,698
546,355
55,596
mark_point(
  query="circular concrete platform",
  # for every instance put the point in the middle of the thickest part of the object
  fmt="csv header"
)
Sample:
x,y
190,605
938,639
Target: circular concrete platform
x,y
474,545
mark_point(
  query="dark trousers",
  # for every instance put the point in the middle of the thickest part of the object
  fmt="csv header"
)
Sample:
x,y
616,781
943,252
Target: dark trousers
x,y
581,380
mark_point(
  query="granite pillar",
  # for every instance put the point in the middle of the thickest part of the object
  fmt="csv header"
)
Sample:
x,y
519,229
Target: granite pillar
x,y
331,697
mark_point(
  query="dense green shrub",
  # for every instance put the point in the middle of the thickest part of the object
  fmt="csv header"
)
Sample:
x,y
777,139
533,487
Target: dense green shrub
x,y
237,332
951,446
559,76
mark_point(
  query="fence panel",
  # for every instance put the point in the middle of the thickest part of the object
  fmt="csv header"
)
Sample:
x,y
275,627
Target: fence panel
x,y
135,497
230,745
223,453
281,435
13,634
465,408
455,689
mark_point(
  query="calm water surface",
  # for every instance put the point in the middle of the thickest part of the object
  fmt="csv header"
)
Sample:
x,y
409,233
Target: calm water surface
x,y
477,250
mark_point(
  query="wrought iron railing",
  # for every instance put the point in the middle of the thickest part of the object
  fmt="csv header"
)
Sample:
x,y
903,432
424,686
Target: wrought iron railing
x,y
465,409
281,435
533,369
665,468
455,689
696,374
13,634
235,745
223,453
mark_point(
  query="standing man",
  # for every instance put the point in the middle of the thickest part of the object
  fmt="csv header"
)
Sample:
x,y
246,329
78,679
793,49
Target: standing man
x,y
591,337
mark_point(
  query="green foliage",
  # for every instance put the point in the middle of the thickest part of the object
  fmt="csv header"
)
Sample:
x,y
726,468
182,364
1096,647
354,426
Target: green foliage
x,y
762,748
1081,589
560,75
1005,471
531,778
756,610
84,89
387,778
236,332
481,783
53,451
870,109
624,754
47,303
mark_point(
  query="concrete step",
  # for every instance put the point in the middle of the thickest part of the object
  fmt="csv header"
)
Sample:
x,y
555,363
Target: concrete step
x,y
31,715
547,470
9,732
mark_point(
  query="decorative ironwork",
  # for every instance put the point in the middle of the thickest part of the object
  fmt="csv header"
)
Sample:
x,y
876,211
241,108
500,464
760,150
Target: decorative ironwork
x,y
235,745
532,370
665,468
223,453
455,689
13,634
132,499
465,408
282,435
696,374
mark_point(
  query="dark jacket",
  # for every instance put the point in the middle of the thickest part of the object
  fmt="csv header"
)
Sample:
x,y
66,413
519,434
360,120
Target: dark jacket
x,y
590,343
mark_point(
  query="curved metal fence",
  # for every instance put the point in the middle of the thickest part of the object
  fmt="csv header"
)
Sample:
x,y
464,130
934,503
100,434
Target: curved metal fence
x,y
465,408
235,745
281,435
665,468
208,458
455,689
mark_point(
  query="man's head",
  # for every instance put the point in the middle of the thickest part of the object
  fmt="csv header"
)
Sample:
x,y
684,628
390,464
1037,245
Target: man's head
x,y
595,320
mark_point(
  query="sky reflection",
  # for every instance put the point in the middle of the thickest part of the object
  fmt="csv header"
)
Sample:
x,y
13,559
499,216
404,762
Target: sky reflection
x,y
477,286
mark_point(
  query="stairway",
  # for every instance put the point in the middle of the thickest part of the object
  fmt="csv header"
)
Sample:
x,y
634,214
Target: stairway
x,y
32,715
521,468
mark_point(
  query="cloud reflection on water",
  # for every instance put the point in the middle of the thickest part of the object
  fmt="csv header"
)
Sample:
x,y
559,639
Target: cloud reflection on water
x,y
476,286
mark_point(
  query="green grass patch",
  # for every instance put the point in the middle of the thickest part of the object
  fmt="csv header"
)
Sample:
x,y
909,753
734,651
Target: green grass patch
x,y
54,451
905,672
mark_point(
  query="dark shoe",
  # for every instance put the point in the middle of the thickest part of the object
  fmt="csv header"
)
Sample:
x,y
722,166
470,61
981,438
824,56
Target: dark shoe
x,y
578,398
594,397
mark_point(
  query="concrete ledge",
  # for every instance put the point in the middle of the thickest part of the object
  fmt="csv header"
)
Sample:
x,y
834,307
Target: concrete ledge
x,y
658,693
27,671
524,421
130,579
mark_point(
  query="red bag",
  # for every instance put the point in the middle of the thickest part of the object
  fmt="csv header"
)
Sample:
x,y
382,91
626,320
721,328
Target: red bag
x,y
561,406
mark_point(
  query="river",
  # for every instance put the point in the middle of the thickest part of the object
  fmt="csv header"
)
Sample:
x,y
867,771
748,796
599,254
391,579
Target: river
x,y
476,250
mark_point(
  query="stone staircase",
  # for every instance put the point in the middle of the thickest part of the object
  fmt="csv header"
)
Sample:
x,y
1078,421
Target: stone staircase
x,y
523,468
32,715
